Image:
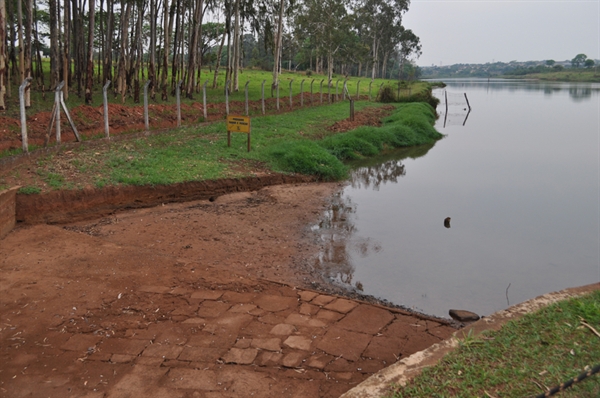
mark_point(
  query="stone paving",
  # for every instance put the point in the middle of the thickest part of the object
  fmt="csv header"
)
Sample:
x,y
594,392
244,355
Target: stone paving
x,y
264,340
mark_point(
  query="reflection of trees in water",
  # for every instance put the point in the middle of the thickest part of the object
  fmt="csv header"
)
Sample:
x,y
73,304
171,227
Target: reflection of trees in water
x,y
371,173
577,91
580,93
337,232
374,176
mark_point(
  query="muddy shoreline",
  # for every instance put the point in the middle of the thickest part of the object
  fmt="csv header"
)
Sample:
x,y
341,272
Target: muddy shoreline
x,y
84,210
156,299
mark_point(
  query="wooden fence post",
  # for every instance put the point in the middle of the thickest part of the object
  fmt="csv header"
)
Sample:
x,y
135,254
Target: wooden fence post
x,y
24,140
105,102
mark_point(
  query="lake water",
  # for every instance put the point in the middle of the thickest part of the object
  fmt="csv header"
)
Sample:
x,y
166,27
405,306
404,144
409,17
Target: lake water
x,y
519,175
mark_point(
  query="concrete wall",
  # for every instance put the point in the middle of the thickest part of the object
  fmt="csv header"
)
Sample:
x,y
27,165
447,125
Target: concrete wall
x,y
8,211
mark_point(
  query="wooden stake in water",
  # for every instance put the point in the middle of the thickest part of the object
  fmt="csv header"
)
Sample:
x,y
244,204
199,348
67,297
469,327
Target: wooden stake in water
x,y
23,115
467,102
105,102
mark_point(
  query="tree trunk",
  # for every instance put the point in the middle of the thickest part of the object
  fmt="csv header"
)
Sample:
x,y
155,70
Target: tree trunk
x,y
122,64
3,55
277,54
384,64
152,60
218,61
90,57
108,42
27,48
20,35
167,26
329,65
236,46
176,41
375,60
136,54
66,47
228,71
39,73
54,63
193,48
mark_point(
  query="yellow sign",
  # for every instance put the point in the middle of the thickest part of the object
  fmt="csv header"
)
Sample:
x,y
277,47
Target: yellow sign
x,y
238,124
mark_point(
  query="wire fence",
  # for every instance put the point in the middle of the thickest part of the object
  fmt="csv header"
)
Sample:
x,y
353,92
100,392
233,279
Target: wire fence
x,y
455,108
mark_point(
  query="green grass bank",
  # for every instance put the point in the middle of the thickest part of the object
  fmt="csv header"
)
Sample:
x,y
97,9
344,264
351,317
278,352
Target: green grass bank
x,y
294,142
523,358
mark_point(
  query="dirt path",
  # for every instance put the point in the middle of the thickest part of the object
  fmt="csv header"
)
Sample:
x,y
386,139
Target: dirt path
x,y
182,300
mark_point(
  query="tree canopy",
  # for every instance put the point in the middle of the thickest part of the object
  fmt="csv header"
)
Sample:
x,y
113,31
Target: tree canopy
x,y
90,42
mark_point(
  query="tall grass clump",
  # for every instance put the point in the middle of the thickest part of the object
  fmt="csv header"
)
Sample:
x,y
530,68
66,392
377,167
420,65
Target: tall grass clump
x,y
351,145
306,157
411,124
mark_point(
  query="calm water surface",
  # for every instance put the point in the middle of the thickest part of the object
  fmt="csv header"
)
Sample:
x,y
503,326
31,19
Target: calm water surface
x,y
520,181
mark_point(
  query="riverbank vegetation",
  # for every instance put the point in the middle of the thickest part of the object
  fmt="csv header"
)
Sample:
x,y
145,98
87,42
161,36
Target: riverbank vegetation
x,y
295,142
579,69
524,358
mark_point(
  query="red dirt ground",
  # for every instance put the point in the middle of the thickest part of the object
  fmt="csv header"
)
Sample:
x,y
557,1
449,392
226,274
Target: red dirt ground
x,y
196,299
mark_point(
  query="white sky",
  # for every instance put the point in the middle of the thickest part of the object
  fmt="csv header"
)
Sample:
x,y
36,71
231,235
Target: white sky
x,y
480,31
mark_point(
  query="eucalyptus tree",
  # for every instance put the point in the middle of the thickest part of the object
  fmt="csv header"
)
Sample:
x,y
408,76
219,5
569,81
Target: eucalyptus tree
x,y
379,19
90,53
410,44
326,25
3,55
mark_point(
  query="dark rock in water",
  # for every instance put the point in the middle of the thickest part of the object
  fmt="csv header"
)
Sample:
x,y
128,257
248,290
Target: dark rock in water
x,y
463,316
447,222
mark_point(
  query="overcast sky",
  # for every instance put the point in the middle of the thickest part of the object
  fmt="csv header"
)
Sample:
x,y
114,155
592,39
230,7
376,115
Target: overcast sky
x,y
480,31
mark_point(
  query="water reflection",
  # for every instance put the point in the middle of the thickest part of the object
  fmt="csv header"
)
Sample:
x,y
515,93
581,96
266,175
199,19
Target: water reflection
x,y
373,172
580,93
337,229
577,91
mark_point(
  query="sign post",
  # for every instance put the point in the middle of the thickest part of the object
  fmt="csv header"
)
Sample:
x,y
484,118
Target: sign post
x,y
238,124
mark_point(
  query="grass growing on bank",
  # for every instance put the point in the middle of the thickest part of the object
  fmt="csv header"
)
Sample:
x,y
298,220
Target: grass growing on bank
x,y
544,348
296,142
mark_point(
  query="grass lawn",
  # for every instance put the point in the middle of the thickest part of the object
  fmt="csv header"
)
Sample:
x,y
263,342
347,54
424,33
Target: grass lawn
x,y
522,359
